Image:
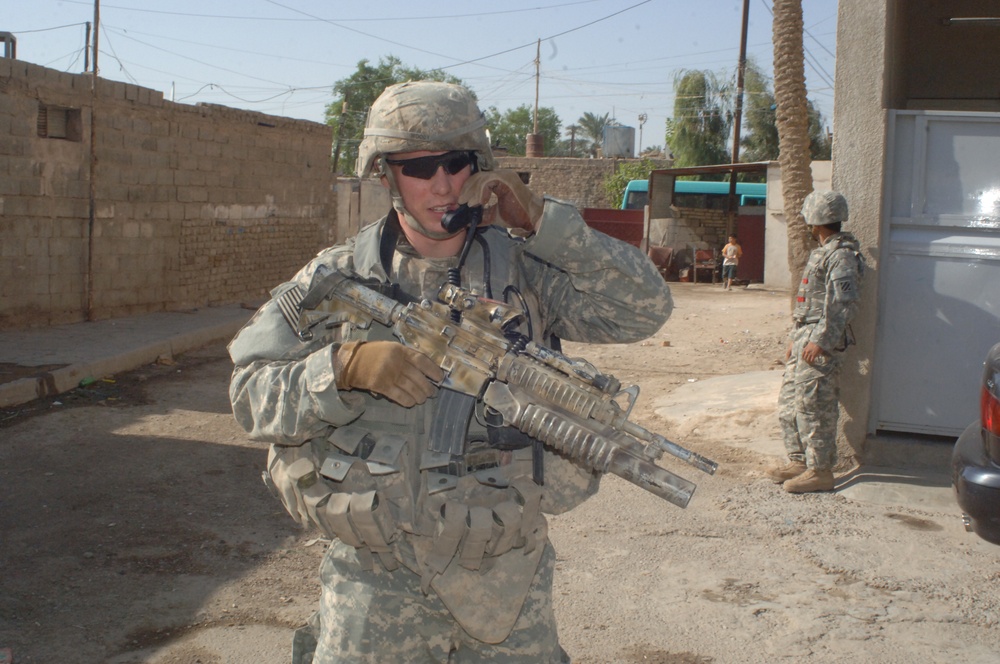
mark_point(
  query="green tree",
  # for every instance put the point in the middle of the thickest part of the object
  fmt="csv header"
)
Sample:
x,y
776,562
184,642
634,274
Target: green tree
x,y
759,135
759,140
820,143
510,128
626,171
699,129
592,127
354,95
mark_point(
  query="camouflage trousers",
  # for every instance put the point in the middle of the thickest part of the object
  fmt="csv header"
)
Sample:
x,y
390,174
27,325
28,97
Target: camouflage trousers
x,y
375,616
808,405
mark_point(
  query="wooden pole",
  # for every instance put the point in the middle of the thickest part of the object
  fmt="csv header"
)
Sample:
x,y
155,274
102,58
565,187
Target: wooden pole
x,y
738,118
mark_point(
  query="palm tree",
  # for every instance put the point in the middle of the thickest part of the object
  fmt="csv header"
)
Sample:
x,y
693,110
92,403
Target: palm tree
x,y
792,118
702,120
573,130
593,129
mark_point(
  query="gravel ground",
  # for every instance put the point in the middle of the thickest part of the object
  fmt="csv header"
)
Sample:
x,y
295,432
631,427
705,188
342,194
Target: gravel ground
x,y
135,527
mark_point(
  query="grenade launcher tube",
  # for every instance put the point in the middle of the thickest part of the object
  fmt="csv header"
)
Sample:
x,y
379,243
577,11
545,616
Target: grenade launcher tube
x,y
595,446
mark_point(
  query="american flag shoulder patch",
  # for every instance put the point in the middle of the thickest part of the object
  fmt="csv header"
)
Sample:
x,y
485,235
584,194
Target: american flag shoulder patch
x,y
288,302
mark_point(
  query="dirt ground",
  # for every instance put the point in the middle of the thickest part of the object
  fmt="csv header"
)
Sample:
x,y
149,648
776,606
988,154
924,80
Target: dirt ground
x,y
134,528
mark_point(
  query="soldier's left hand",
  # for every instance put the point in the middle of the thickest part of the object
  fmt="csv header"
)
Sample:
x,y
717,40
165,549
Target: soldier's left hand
x,y
517,205
812,352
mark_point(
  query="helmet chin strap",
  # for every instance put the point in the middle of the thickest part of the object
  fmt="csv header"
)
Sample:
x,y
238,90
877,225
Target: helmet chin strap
x,y
400,207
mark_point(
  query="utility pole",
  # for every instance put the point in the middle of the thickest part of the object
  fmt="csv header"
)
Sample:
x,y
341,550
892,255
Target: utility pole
x,y
97,28
340,130
642,120
538,62
738,116
740,74
92,216
534,143
86,50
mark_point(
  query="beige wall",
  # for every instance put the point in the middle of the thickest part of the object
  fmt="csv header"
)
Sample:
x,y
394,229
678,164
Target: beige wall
x,y
859,152
193,205
776,272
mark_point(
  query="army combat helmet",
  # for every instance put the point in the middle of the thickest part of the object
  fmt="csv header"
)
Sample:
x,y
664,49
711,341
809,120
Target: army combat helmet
x,y
423,115
824,207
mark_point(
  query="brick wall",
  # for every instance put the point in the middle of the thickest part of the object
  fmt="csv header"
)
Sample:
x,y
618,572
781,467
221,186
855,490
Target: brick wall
x,y
193,205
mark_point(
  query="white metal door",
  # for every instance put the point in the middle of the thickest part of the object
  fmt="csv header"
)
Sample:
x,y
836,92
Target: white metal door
x,y
939,281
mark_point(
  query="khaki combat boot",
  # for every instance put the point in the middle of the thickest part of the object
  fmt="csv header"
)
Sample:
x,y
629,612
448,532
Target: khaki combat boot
x,y
781,473
809,481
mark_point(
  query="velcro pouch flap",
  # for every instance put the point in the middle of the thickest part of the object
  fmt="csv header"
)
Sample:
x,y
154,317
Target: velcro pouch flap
x,y
384,459
438,482
348,439
336,466
431,459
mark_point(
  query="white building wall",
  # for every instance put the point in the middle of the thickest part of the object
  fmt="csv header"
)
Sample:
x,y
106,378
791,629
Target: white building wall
x,y
776,273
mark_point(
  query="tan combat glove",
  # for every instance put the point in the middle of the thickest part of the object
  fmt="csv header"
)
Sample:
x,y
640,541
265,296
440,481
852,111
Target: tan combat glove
x,y
387,368
518,206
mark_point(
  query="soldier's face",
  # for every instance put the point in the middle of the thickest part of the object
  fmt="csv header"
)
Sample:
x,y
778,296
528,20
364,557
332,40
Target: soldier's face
x,y
428,199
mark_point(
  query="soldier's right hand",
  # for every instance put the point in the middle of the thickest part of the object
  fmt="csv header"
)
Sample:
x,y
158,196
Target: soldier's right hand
x,y
387,368
518,206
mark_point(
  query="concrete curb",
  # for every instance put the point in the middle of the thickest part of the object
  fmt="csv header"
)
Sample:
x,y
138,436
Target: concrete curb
x,y
66,378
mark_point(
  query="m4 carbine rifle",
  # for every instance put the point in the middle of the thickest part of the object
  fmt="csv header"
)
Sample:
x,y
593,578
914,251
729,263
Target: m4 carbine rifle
x,y
565,403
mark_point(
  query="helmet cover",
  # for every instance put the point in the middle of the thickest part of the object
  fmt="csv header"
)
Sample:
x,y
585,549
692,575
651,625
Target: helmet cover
x,y
423,115
824,207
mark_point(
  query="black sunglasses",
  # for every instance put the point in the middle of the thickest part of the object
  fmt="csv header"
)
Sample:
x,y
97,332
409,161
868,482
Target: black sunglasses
x,y
424,168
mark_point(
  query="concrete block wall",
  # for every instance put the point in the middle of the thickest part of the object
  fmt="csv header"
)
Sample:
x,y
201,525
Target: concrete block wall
x,y
44,199
708,226
689,227
579,181
193,205
359,203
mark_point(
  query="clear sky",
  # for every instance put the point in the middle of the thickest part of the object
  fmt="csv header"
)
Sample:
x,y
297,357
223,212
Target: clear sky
x,y
283,56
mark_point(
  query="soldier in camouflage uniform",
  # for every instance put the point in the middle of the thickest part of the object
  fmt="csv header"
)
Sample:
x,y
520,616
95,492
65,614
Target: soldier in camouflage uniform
x,y
433,558
808,405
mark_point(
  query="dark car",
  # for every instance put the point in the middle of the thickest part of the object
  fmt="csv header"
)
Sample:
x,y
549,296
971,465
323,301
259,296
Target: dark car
x,y
975,462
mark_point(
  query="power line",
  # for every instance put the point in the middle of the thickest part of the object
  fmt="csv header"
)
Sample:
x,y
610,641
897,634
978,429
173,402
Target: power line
x,y
58,27
107,40
310,19
808,56
229,49
201,62
550,37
